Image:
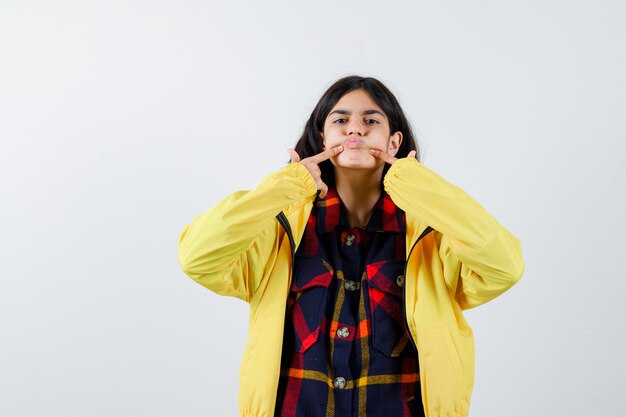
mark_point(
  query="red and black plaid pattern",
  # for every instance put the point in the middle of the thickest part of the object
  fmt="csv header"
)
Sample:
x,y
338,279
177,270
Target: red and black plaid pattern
x,y
346,351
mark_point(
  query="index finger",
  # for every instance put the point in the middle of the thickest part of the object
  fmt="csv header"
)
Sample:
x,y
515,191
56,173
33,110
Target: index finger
x,y
383,155
328,153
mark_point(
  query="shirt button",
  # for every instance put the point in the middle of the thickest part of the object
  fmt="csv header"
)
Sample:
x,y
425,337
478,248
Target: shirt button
x,y
343,332
349,240
339,382
350,285
400,280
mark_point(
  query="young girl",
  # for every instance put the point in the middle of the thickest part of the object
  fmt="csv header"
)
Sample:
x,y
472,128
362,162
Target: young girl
x,y
357,262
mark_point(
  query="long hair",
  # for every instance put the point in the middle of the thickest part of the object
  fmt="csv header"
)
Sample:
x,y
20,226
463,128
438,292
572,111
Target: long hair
x,y
311,142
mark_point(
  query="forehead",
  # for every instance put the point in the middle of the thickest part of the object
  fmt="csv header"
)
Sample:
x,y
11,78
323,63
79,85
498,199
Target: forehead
x,y
356,101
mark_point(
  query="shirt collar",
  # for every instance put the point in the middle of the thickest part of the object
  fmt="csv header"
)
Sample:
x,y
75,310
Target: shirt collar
x,y
331,214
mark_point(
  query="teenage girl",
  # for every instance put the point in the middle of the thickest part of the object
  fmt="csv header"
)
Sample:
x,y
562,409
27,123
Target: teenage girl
x,y
357,262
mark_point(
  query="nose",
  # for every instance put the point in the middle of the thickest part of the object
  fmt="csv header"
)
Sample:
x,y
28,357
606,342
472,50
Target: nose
x,y
355,127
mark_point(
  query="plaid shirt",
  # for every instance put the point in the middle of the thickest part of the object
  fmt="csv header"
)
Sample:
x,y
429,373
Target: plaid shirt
x,y
346,351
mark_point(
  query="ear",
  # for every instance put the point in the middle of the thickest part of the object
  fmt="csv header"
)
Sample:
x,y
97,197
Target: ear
x,y
323,141
395,141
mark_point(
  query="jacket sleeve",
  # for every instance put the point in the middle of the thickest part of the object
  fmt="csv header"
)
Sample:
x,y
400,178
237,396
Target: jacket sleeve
x,y
229,247
486,256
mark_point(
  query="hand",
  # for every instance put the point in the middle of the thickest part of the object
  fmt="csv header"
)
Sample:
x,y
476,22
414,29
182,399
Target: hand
x,y
389,158
311,164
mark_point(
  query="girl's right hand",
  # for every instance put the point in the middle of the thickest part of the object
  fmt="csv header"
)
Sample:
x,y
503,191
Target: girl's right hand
x,y
311,164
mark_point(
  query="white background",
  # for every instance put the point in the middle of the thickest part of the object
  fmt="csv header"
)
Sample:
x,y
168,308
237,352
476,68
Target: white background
x,y
120,121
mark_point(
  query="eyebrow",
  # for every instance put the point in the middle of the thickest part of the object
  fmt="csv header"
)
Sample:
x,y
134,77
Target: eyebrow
x,y
364,112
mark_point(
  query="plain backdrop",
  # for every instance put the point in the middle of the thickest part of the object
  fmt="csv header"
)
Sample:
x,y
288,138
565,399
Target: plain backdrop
x,y
120,121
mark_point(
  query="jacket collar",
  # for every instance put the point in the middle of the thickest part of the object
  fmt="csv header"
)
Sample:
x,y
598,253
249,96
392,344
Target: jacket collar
x,y
331,213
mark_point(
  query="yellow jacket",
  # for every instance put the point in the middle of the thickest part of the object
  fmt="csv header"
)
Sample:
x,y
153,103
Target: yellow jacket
x,y
458,257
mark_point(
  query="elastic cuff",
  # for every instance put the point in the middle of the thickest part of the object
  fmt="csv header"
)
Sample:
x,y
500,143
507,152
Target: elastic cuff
x,y
395,170
305,177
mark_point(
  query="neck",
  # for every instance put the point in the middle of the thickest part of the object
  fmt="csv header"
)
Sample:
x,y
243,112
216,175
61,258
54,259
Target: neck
x,y
359,189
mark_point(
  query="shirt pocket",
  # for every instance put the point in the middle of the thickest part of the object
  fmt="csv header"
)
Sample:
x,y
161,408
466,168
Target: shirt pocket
x,y
385,284
309,293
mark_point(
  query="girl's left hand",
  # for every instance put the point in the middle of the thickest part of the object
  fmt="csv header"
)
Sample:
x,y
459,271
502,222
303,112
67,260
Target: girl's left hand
x,y
389,158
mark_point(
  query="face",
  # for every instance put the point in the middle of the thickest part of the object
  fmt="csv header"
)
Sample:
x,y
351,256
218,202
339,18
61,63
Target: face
x,y
357,123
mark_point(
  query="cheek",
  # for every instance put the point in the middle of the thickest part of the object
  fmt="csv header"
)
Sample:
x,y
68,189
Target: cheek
x,y
380,144
330,142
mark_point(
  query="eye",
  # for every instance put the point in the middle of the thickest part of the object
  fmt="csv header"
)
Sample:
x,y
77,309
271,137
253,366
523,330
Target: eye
x,y
369,121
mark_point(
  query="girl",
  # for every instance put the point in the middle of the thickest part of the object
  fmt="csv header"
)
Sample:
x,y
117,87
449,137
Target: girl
x,y
357,262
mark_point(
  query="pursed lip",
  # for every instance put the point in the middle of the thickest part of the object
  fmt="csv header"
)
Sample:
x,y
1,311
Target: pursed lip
x,y
353,143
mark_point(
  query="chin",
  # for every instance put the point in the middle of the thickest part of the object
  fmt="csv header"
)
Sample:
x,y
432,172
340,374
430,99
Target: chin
x,y
356,160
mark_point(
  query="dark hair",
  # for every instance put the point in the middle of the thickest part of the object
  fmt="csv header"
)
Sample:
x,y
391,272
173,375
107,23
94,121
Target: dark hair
x,y
311,143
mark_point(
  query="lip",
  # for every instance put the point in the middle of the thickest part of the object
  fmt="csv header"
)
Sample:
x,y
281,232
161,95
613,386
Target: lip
x,y
353,143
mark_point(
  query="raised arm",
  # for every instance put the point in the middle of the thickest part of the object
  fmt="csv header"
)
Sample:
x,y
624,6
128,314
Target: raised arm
x,y
230,247
474,245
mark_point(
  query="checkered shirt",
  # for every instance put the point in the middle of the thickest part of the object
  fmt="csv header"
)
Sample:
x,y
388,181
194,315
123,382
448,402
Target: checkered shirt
x,y
346,351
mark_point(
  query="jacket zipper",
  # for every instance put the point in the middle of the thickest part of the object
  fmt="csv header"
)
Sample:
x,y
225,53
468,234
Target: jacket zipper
x,y
282,219
406,322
